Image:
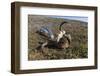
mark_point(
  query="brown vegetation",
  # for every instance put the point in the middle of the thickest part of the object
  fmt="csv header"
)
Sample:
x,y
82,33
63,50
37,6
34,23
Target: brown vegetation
x,y
77,29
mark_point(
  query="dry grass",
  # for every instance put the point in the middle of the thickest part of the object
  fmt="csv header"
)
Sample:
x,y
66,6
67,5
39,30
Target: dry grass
x,y
77,29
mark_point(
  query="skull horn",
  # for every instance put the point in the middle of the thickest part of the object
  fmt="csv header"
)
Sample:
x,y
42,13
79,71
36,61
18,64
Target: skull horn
x,y
60,27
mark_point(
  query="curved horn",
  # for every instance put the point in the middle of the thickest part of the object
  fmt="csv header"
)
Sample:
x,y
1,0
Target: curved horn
x,y
69,38
60,27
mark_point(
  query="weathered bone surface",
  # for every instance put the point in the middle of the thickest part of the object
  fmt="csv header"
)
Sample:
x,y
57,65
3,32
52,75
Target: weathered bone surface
x,y
62,41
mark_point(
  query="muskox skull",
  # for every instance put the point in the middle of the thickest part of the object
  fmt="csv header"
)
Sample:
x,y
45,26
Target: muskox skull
x,y
62,41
